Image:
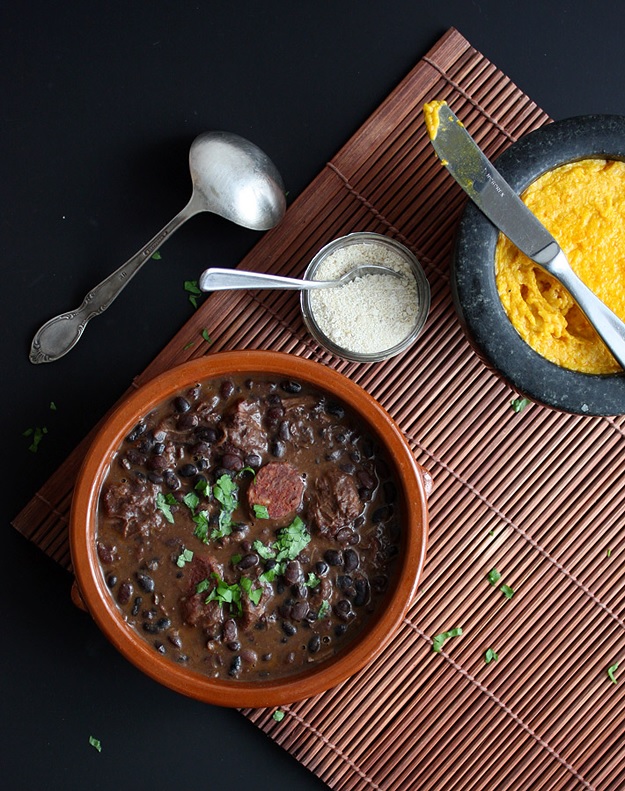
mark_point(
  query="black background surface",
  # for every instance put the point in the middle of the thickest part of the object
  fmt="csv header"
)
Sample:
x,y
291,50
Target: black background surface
x,y
100,102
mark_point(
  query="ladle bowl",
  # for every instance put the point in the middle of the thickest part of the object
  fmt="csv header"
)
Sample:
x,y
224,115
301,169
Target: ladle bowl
x,y
231,177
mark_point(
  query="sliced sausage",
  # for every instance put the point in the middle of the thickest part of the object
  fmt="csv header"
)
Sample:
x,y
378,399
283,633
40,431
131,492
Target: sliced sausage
x,y
279,487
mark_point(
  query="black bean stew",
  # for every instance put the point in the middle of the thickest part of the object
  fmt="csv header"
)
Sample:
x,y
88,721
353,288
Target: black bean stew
x,y
247,527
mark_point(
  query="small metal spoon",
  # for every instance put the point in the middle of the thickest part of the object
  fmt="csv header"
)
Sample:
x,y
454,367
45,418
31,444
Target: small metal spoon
x,y
231,177
216,279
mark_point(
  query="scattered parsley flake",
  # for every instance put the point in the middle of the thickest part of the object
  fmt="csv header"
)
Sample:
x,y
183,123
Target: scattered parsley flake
x,y
95,743
612,673
519,404
191,287
191,500
507,591
37,435
439,639
261,512
52,406
493,576
266,553
203,487
278,715
292,540
156,255
202,586
206,336
186,556
313,580
201,526
164,503
188,345
490,656
609,552
324,609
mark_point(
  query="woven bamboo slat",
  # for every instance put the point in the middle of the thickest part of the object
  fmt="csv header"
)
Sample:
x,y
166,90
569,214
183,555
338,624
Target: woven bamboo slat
x,y
534,495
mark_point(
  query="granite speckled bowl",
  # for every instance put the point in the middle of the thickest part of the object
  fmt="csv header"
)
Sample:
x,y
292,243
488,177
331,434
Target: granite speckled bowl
x,y
474,286
412,484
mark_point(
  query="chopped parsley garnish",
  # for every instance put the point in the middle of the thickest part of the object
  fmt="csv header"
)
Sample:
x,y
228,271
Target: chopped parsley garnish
x,y
507,591
223,593
52,406
37,435
493,576
186,556
266,553
278,715
324,609
490,656
291,540
612,673
439,639
191,500
261,512
156,255
203,487
201,526
519,404
225,491
164,503
608,552
96,743
191,287
206,336
313,580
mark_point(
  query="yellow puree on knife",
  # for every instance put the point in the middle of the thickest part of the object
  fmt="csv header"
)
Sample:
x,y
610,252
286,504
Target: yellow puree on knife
x,y
583,205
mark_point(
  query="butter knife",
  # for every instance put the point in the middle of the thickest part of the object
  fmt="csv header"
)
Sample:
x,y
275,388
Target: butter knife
x,y
487,188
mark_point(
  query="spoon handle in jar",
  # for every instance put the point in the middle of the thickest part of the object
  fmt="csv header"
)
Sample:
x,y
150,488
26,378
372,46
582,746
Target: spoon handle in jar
x,y
61,333
216,279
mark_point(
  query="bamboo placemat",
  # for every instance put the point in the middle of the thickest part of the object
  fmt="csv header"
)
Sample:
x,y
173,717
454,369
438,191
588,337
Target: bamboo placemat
x,y
535,495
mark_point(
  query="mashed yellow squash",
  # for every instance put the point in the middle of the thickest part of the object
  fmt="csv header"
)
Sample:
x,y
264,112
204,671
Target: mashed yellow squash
x,y
583,205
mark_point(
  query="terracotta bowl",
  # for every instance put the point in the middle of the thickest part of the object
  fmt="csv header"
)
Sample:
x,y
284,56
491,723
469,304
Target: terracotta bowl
x,y
474,286
412,489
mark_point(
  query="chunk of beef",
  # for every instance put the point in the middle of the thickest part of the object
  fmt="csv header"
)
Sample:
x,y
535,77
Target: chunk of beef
x,y
243,427
132,502
334,502
196,611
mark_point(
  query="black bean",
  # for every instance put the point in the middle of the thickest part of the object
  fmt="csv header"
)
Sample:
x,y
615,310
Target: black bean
x,y
335,409
292,572
111,580
352,561
288,628
207,434
181,404
348,467
267,657
146,582
136,432
155,478
232,462
187,470
160,647
159,448
248,561
230,630
362,592
343,609
234,645
278,449
105,553
314,644
270,564
300,591
253,460
368,481
235,666
174,639
249,656
135,457
344,581
284,430
150,628
368,448
202,464
299,610
340,629
163,624
291,386
137,605
379,583
380,514
187,421
125,592
343,535
171,480
333,557
321,568
227,388
275,413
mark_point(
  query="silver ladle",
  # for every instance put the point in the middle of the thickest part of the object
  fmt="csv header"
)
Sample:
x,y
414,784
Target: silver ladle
x,y
231,177
215,279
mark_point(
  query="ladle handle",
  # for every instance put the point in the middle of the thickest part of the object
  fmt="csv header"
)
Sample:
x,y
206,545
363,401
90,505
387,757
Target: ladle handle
x,y
61,333
610,328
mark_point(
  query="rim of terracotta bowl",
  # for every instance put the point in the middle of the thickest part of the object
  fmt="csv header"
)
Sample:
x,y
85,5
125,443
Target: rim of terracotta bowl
x,y
288,689
474,286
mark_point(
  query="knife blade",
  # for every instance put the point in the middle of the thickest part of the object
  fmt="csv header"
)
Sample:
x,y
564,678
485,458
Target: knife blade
x,y
490,192
487,188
